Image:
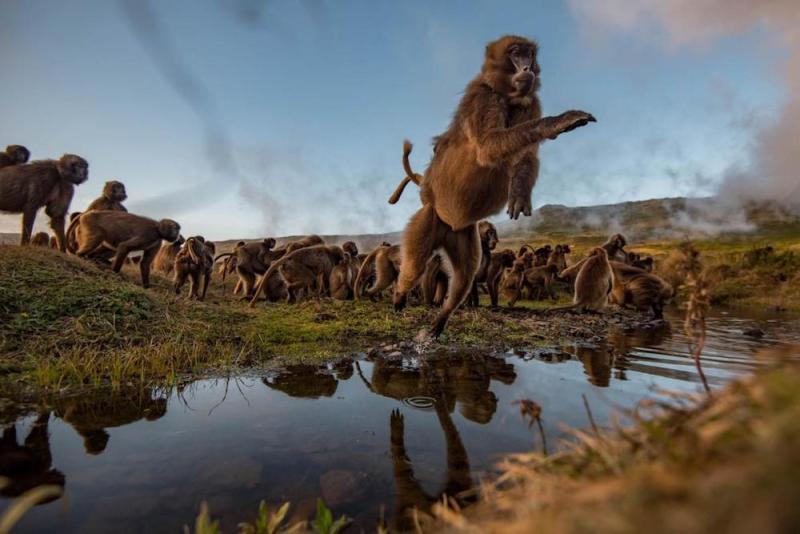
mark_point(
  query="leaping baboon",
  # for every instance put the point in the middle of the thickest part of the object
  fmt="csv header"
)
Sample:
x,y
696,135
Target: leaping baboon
x,y
26,188
593,285
14,155
487,158
124,233
194,260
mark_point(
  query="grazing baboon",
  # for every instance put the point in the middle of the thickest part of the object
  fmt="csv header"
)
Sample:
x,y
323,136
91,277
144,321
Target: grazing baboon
x,y
26,188
486,158
488,236
195,260
41,239
643,292
593,284
111,199
434,281
387,267
615,248
512,283
14,155
303,269
164,261
124,233
341,279
499,262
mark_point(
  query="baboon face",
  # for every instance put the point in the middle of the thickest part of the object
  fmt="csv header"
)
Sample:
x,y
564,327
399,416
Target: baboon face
x,y
268,243
169,230
350,247
619,240
488,234
73,168
511,60
18,154
115,191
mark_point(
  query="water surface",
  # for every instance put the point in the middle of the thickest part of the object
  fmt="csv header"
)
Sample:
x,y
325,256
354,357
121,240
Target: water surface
x,y
369,435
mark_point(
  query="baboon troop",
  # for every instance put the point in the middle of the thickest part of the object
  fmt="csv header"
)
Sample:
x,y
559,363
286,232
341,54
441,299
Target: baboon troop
x,y
486,160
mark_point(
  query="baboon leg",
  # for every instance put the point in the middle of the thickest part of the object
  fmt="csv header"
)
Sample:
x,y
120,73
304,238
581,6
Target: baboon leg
x,y
144,264
492,286
463,249
180,279
194,283
28,216
57,224
238,287
472,301
419,241
206,280
514,298
440,293
122,252
95,244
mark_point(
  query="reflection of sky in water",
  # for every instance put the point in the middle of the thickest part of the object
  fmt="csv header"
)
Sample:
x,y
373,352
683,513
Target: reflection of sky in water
x,y
326,431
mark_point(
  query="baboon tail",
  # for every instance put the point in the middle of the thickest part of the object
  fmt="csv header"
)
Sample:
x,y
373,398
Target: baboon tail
x,y
399,191
224,254
74,219
266,276
411,176
190,244
562,308
369,260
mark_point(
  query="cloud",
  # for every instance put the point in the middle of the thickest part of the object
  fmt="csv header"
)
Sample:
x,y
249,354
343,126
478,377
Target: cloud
x,y
772,174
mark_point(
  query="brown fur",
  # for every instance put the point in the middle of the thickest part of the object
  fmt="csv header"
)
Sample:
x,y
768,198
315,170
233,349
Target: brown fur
x,y
41,239
488,235
410,176
540,278
303,242
615,248
124,233
194,260
53,242
512,283
593,284
498,263
434,281
341,278
252,260
303,269
164,261
486,158
26,188
111,199
387,267
541,255
642,292
14,155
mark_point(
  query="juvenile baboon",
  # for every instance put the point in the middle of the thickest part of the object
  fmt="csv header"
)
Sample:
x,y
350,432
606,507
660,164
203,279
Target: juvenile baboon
x,y
41,239
512,283
488,235
341,279
355,259
164,261
499,262
387,267
486,158
111,199
541,278
14,155
26,188
642,292
195,260
615,248
124,233
593,284
303,269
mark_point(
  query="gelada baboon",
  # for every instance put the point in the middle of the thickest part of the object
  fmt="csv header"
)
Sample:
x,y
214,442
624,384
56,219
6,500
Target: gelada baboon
x,y
636,260
124,233
41,239
111,199
341,278
387,268
164,261
540,278
486,158
14,155
251,260
49,183
642,292
303,269
228,265
593,285
615,248
488,236
515,278
195,260
499,262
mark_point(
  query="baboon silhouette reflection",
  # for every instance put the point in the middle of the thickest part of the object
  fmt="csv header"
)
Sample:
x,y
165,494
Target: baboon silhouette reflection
x,y
306,381
90,416
28,465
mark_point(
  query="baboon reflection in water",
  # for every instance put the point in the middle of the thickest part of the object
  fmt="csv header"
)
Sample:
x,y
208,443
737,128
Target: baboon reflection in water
x,y
30,464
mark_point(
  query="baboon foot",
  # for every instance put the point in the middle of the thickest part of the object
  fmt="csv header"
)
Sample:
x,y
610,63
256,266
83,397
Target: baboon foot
x,y
400,302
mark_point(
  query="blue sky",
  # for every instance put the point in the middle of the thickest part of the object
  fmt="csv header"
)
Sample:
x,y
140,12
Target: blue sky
x,y
312,101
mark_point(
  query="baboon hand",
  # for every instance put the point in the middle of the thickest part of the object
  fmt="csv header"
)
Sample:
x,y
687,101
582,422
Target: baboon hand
x,y
518,202
567,121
